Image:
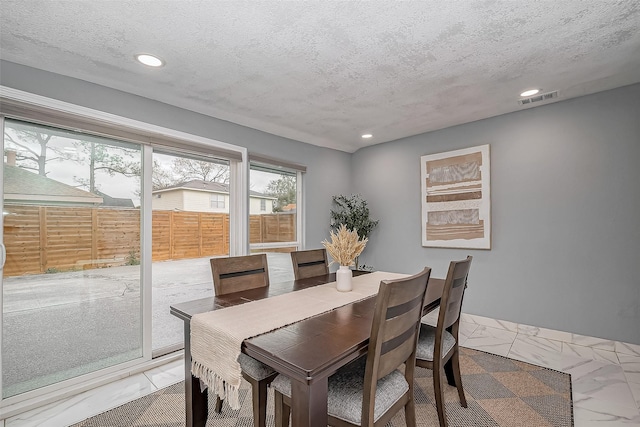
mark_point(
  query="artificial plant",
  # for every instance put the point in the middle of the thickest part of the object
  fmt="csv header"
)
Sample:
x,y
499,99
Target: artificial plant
x,y
353,212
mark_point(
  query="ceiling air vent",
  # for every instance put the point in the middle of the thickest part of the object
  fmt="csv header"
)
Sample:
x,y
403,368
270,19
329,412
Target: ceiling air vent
x,y
538,98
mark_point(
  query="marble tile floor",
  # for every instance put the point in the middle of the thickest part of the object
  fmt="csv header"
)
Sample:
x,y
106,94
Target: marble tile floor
x,y
605,375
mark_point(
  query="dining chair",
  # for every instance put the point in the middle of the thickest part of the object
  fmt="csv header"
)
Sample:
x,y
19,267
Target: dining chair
x,y
236,274
309,263
372,389
240,273
439,345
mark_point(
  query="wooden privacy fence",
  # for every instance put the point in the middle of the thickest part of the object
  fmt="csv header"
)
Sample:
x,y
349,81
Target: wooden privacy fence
x,y
180,235
47,239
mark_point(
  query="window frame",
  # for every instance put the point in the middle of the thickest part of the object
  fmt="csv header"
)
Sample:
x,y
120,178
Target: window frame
x,y
219,198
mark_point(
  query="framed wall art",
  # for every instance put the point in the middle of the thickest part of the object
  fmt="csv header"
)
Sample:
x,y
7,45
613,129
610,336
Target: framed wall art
x,y
456,203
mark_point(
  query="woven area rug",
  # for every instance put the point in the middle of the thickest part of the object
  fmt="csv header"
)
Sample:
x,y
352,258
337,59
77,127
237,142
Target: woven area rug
x,y
500,392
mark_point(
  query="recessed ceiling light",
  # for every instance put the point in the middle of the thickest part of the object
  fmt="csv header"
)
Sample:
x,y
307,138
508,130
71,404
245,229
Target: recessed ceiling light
x,y
150,60
367,136
530,92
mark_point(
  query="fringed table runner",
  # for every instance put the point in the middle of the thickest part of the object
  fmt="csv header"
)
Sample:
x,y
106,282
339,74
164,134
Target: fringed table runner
x,y
217,336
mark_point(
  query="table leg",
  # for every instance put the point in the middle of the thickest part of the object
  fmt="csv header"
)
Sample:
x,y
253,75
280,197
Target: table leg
x,y
309,403
196,401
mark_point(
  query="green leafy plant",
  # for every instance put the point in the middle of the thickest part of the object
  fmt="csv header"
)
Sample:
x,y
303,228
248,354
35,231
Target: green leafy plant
x,y
353,212
132,258
284,189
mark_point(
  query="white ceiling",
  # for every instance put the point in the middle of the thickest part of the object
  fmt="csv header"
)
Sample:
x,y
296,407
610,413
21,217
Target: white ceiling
x,y
325,72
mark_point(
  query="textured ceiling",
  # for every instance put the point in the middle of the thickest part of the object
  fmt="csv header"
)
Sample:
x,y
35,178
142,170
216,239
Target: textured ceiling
x,y
326,72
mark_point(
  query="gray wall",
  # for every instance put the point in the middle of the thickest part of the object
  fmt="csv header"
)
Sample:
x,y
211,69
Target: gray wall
x,y
565,199
565,203
328,171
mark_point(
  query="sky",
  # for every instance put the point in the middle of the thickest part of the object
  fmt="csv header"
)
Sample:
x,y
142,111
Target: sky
x,y
75,164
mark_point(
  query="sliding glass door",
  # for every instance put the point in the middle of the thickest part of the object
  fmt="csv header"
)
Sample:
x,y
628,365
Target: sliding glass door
x,y
71,283
106,222
191,200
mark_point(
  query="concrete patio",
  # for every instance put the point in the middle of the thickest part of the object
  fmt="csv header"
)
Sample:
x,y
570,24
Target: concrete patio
x,y
96,314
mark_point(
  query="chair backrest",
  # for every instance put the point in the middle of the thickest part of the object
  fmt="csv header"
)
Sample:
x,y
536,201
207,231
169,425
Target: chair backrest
x,y
309,263
394,333
235,274
452,293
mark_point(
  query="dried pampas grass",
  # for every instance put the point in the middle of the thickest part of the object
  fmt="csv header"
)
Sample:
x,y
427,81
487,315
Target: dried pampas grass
x,y
345,246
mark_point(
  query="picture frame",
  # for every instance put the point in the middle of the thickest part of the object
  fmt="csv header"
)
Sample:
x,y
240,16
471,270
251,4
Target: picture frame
x,y
456,198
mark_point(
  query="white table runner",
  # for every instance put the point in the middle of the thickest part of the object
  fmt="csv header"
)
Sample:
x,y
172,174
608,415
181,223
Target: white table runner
x,y
217,336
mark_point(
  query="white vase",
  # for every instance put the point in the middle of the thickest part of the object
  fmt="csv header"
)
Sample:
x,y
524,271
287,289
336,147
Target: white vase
x,y
343,279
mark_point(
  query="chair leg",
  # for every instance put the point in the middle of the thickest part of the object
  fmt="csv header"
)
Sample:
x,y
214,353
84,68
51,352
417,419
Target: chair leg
x,y
439,394
410,412
218,407
448,370
455,364
282,410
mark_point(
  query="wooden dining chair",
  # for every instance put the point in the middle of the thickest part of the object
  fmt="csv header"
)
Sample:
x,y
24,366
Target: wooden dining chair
x,y
309,263
240,273
236,274
371,390
439,345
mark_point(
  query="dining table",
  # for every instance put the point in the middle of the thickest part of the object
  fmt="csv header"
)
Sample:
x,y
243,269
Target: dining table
x,y
308,351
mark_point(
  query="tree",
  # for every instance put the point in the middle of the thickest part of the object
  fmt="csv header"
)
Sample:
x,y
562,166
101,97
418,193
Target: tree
x,y
33,147
284,189
189,169
108,159
161,177
183,170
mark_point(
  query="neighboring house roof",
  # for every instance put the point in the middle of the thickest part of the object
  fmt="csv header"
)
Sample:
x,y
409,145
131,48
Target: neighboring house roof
x,y
115,201
261,195
197,184
23,186
211,187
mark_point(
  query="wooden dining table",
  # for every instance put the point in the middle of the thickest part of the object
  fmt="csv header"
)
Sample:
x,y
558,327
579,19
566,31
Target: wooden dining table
x,y
308,351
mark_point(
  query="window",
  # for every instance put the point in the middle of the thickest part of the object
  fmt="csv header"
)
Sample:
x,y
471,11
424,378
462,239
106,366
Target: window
x,y
276,229
217,201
